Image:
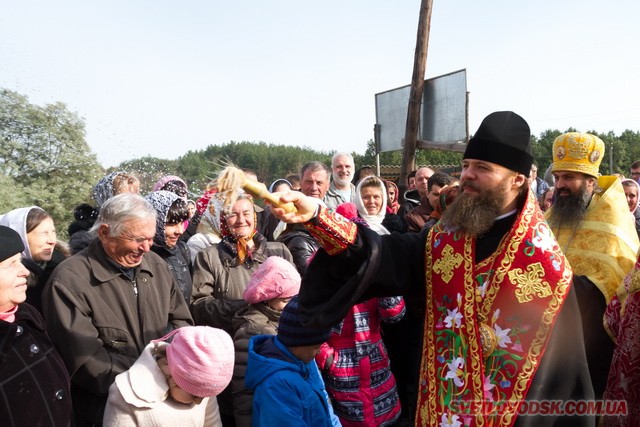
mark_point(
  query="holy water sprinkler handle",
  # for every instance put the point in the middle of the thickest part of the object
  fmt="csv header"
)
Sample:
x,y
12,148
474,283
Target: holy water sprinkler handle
x,y
258,189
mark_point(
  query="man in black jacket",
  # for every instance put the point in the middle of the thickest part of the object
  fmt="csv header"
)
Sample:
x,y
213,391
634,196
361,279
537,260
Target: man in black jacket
x,y
314,182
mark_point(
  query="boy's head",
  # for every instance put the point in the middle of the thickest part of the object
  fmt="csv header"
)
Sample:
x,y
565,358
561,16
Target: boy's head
x,y
303,341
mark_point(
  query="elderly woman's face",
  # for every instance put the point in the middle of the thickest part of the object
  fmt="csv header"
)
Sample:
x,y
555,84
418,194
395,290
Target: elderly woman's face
x,y
42,240
13,282
240,220
371,199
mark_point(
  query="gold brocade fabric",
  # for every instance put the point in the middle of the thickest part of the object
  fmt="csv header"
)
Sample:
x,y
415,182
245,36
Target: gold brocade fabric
x,y
604,247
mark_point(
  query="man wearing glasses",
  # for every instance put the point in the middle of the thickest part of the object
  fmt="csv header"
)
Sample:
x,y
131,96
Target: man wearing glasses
x,y
103,305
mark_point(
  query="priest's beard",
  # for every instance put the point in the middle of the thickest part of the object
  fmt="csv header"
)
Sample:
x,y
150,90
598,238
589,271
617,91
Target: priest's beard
x,y
474,214
569,207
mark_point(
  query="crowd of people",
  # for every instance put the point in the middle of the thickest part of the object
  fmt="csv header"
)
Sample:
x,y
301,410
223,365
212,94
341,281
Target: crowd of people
x,y
463,301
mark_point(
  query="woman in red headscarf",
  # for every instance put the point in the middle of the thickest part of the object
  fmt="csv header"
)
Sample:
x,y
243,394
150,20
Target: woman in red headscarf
x,y
392,196
221,271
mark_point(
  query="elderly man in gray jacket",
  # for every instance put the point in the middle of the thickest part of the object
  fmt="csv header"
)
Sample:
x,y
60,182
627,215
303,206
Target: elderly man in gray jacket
x,y
341,190
103,305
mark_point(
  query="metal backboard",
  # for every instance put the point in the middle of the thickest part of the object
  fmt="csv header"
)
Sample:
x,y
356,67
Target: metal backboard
x,y
443,114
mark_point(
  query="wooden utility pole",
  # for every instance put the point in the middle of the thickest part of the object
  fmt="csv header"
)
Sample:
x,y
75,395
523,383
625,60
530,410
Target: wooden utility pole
x,y
415,98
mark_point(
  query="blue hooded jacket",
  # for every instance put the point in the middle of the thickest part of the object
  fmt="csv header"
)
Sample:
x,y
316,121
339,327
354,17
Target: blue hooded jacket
x,y
287,391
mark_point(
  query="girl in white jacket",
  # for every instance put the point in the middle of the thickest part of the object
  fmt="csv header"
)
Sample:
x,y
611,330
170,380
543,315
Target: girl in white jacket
x,y
174,383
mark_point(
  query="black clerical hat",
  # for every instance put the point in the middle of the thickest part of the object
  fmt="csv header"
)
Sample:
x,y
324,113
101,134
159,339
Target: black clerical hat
x,y
503,138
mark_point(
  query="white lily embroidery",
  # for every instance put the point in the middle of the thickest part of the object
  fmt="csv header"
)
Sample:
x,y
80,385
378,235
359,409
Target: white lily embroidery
x,y
448,420
543,239
453,317
455,371
502,335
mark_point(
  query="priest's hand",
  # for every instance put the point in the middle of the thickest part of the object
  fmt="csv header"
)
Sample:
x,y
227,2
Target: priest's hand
x,y
306,208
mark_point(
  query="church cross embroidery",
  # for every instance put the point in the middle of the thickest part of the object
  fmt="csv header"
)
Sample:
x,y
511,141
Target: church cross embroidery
x,y
447,263
530,283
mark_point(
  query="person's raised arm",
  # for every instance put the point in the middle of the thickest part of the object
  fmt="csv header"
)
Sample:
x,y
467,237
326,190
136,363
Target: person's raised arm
x,y
306,207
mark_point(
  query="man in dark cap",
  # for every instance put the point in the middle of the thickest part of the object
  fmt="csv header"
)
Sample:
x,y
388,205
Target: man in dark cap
x,y
502,328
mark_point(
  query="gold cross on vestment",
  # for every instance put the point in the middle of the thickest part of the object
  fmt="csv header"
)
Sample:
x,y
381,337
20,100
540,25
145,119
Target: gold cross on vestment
x,y
530,283
447,263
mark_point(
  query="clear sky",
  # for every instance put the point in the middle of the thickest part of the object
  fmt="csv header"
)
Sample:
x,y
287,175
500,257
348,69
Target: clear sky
x,y
163,77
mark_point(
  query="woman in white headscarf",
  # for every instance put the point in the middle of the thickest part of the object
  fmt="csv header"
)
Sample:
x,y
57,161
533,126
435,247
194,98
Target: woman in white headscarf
x,y
371,203
42,253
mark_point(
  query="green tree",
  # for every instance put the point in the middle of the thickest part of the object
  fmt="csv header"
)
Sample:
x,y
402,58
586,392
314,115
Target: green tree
x,y
626,151
46,156
269,161
542,148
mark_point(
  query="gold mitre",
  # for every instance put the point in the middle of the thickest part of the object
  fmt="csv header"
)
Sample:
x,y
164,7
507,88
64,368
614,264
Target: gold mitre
x,y
578,152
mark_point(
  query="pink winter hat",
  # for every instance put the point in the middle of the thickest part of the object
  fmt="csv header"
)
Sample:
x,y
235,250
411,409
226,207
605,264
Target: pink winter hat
x,y
275,278
200,359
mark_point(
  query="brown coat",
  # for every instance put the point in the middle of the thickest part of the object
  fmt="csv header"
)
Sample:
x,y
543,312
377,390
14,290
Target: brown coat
x,y
257,319
100,326
219,281
418,216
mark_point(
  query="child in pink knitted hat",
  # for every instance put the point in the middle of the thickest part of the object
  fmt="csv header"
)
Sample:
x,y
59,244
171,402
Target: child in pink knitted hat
x,y
174,383
270,288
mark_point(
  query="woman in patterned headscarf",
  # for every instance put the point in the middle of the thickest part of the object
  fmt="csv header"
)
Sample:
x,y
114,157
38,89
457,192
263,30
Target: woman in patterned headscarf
x,y
115,183
222,271
170,224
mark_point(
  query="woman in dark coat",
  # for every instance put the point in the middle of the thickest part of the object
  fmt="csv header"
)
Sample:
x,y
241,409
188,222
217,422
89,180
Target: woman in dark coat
x,y
172,215
34,382
222,271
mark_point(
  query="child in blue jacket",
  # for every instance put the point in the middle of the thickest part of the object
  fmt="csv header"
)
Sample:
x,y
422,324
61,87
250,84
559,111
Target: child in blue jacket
x,y
288,388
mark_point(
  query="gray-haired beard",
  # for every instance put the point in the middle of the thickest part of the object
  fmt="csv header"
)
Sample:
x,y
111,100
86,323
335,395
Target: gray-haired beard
x,y
341,182
474,214
569,210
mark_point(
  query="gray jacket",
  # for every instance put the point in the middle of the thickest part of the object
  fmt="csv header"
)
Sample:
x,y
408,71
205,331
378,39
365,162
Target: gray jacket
x,y
333,199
